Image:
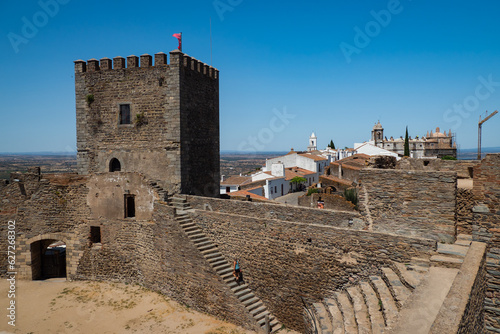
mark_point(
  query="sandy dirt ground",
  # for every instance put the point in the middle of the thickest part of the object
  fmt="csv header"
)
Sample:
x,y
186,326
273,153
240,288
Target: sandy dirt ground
x,y
58,306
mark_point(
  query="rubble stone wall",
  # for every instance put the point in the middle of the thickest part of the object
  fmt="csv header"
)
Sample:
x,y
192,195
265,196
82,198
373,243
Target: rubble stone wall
x,y
412,203
486,215
275,211
283,261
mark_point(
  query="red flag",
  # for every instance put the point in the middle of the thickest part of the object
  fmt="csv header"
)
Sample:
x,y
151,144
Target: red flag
x,y
179,37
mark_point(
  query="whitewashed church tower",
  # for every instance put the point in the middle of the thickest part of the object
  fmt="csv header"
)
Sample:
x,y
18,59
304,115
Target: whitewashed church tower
x,y
312,143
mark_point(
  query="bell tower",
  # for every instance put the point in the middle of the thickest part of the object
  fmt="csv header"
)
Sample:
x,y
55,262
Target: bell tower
x,y
378,134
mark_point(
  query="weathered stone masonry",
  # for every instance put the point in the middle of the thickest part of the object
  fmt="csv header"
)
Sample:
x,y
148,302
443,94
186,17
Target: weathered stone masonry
x,y
173,135
150,249
413,203
286,260
487,229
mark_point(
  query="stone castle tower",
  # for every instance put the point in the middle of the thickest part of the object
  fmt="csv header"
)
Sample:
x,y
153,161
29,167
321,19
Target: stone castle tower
x,y
158,119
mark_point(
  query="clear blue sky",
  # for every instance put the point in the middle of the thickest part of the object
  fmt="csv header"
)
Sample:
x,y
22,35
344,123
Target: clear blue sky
x,y
305,59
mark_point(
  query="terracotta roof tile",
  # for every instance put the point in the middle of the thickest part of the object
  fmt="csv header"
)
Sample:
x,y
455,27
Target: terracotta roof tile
x,y
236,180
313,156
244,193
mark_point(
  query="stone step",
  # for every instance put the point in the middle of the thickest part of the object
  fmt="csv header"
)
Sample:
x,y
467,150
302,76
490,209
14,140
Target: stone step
x,y
360,310
275,325
212,255
389,308
231,282
374,307
191,228
201,240
210,251
203,243
347,312
419,313
323,320
244,296
243,292
260,317
185,210
452,250
420,262
262,320
337,319
464,243
410,275
446,261
195,234
401,292
256,304
216,259
467,237
179,204
251,301
238,288
225,270
187,224
184,222
219,263
230,279
223,266
258,310
206,247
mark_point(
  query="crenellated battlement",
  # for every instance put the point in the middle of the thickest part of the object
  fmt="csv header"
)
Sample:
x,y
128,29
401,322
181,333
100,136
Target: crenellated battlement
x,y
145,61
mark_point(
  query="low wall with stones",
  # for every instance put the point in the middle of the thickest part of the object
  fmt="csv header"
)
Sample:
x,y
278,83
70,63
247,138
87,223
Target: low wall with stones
x,y
463,310
331,202
283,261
486,215
275,211
463,168
412,203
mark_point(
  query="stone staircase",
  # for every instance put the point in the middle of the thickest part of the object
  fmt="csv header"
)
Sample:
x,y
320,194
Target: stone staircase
x,y
452,255
222,266
161,192
373,305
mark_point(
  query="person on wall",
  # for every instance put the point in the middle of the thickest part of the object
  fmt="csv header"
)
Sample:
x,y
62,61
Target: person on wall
x,y
237,271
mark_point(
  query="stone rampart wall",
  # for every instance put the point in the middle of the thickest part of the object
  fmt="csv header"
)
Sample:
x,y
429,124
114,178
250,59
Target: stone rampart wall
x,y
462,311
274,211
331,202
465,203
413,203
486,216
283,261
463,168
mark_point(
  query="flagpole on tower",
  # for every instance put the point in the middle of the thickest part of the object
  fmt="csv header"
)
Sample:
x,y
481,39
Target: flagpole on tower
x,y
211,41
179,38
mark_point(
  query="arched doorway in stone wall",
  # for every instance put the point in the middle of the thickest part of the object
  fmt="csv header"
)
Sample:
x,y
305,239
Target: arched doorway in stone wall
x,y
48,259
